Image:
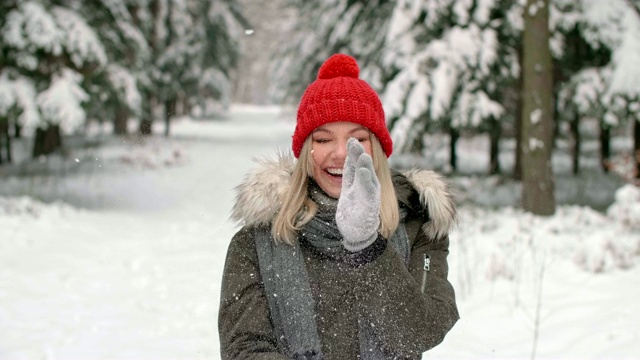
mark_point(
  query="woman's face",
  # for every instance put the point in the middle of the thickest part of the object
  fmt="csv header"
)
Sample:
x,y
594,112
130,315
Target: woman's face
x,y
329,151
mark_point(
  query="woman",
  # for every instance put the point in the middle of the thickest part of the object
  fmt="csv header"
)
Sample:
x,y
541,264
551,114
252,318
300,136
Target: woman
x,y
338,256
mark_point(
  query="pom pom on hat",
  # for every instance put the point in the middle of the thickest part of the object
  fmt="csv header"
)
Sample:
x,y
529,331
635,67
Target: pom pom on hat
x,y
339,95
339,65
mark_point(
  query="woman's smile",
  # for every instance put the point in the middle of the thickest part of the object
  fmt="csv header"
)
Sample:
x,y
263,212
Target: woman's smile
x,y
329,152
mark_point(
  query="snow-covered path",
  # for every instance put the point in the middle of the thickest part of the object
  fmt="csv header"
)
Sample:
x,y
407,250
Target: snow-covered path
x,y
136,275
139,280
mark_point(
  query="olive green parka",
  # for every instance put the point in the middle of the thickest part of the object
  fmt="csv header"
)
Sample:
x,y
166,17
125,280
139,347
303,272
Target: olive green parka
x,y
411,308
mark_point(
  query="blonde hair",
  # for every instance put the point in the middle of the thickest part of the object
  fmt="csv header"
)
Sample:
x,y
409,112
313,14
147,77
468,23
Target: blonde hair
x,y
297,208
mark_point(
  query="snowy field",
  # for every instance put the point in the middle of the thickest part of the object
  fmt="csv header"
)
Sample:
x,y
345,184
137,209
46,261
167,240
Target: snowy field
x,y
117,253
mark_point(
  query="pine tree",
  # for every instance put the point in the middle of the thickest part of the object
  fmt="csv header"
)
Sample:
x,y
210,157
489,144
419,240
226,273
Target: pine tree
x,y
625,78
440,64
355,27
49,50
599,78
116,93
193,47
451,64
221,27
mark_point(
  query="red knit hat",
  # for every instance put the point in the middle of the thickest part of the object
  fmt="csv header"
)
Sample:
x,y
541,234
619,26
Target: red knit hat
x,y
338,95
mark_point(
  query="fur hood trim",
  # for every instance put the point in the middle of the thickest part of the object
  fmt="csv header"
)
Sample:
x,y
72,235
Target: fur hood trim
x,y
258,197
436,198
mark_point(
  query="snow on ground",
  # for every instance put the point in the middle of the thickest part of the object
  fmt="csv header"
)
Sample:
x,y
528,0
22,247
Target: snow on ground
x,y
117,253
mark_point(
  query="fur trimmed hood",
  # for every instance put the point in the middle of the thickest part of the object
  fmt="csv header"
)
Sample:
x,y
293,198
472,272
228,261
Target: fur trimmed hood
x,y
258,197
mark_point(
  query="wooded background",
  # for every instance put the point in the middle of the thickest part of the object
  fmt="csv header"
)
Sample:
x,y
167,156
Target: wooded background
x,y
534,70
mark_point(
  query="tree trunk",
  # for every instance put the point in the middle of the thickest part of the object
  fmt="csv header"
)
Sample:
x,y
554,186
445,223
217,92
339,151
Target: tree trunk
x,y
120,120
4,135
146,119
47,141
417,144
495,133
17,130
454,135
537,111
577,143
8,148
185,107
636,146
169,112
145,125
605,147
517,168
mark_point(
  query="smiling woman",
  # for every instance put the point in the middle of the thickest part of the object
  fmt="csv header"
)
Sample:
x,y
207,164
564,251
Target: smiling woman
x,y
339,257
329,151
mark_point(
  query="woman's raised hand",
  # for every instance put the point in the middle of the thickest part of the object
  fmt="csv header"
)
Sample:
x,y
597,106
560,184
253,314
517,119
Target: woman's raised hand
x,y
358,213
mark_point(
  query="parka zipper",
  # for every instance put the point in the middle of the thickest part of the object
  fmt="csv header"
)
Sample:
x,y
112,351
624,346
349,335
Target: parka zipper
x,y
425,270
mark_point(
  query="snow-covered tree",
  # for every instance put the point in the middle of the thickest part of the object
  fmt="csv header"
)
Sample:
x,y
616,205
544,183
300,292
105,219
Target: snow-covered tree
x,y
617,24
116,92
18,108
437,63
51,48
355,27
586,95
599,77
218,38
193,46
67,61
451,64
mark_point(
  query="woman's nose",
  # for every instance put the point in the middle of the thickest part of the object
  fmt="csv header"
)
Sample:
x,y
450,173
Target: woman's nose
x,y
340,151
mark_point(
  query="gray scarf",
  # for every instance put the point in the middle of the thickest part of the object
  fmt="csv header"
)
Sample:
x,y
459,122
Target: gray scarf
x,y
287,285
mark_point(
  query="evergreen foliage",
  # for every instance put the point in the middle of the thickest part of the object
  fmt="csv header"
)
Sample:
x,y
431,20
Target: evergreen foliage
x,y
455,66
66,62
356,27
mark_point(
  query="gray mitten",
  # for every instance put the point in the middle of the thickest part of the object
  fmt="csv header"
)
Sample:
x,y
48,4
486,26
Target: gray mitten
x,y
358,213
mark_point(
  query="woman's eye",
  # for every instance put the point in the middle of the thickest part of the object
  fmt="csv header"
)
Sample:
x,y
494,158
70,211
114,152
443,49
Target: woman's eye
x,y
363,139
321,141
